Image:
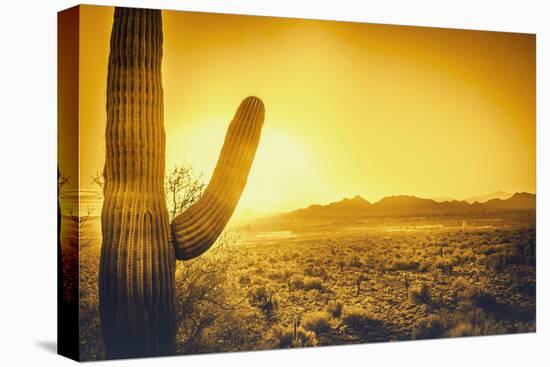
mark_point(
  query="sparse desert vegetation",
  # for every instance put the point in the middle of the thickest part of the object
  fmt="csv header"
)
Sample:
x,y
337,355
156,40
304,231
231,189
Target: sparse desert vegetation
x,y
418,281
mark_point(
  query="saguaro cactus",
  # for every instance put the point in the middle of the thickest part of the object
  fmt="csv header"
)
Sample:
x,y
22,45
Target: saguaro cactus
x,y
140,246
407,283
358,280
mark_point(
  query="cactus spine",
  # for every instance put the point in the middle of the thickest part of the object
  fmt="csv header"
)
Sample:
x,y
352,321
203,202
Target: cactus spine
x,y
139,250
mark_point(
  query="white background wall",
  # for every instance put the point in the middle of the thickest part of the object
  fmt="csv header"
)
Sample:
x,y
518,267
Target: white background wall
x,y
28,177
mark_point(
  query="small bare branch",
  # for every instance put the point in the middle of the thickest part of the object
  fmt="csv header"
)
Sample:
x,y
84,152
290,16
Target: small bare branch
x,y
98,179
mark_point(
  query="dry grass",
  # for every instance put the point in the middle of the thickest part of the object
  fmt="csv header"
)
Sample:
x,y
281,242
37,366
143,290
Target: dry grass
x,y
478,281
317,322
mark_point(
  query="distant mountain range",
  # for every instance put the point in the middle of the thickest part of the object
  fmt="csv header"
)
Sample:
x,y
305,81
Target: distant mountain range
x,y
494,195
410,205
480,199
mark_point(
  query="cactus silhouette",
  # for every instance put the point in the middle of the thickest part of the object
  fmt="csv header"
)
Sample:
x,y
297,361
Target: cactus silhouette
x,y
140,245
407,283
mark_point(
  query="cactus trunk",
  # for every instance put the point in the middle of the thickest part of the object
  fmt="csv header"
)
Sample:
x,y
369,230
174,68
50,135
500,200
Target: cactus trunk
x,y
137,265
137,259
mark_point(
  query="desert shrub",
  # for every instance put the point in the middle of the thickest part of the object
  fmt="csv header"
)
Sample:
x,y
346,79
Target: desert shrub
x,y
287,277
287,273
523,327
516,255
462,289
295,255
244,280
432,326
92,347
233,329
257,280
425,266
471,320
276,275
369,263
496,262
471,297
297,281
205,298
341,263
335,308
317,322
323,298
480,259
305,338
420,294
315,271
313,294
466,320
489,250
404,265
356,317
312,260
313,283
355,262
526,250
285,337
262,298
467,256
444,264
258,294
463,329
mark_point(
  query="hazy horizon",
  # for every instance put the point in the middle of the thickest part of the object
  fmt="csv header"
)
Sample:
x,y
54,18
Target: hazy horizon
x,y
96,202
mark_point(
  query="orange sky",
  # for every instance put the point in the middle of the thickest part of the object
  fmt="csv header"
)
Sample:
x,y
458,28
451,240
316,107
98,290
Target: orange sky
x,y
351,108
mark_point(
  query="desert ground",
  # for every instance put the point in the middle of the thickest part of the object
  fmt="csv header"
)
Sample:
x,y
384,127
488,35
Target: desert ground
x,y
281,283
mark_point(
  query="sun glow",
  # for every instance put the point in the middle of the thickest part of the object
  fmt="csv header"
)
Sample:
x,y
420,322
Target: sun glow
x,y
277,173
351,109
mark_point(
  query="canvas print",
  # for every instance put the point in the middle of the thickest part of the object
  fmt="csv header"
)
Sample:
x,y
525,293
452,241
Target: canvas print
x,y
237,183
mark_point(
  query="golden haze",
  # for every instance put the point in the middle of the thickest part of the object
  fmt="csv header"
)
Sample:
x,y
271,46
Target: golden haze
x,y
351,108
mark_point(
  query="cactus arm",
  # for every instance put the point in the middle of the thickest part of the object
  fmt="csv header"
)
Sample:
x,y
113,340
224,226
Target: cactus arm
x,y
196,229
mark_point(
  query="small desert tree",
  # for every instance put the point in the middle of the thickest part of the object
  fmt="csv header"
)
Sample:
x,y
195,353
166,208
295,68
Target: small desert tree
x,y
207,298
79,222
183,188
98,179
204,288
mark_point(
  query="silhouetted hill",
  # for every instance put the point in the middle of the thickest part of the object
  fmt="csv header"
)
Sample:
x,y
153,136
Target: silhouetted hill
x,y
356,203
410,205
484,198
518,201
